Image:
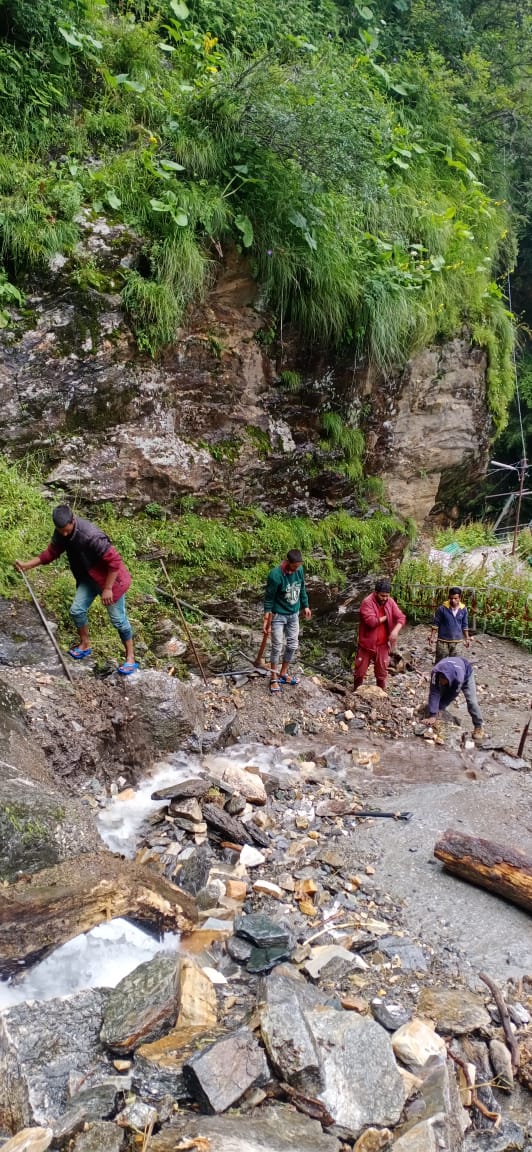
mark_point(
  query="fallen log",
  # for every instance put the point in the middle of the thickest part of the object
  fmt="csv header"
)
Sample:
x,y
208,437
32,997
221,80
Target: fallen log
x,y
497,867
40,912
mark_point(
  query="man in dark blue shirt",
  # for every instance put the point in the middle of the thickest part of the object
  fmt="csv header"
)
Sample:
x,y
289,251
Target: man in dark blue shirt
x,y
448,677
452,625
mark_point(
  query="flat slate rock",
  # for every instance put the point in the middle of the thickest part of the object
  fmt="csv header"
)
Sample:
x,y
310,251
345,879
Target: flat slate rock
x,y
262,930
143,1006
186,790
410,955
264,959
218,1076
284,998
272,1129
231,828
454,1010
239,949
390,1014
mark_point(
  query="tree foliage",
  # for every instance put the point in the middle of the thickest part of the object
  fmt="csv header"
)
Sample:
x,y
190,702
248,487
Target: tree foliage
x,y
368,159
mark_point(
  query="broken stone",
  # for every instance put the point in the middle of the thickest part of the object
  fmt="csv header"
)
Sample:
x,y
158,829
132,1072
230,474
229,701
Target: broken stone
x,y
188,810
456,1011
284,998
374,1140
264,959
420,1138
158,1070
249,784
33,1092
219,1075
183,791
214,976
137,1115
261,930
142,1006
391,1015
268,889
414,1043
410,955
331,961
194,872
236,889
239,950
509,1137
197,998
251,857
278,1129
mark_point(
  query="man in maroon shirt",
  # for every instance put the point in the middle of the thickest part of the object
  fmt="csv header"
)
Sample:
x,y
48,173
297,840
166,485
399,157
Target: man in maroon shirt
x,y
98,570
381,621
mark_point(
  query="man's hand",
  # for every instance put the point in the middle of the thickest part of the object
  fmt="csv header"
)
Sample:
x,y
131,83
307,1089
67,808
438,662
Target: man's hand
x,y
107,597
22,565
431,639
267,623
307,613
467,642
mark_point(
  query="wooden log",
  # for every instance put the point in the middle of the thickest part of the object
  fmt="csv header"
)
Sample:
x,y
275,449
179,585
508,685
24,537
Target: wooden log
x,y
497,867
40,912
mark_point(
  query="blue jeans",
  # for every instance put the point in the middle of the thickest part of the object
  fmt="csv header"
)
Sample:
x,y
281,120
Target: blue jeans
x,y
85,594
285,628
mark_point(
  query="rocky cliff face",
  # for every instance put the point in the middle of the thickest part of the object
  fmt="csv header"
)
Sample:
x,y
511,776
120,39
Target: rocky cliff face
x,y
216,417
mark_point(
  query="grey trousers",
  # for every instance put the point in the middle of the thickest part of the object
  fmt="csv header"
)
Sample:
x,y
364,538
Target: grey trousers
x,y
285,633
469,689
445,648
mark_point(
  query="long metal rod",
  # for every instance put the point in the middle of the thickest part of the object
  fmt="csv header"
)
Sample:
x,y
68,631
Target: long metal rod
x,y
66,669
183,621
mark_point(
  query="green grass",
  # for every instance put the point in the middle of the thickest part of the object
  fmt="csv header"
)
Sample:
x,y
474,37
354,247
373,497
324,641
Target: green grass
x,y
205,557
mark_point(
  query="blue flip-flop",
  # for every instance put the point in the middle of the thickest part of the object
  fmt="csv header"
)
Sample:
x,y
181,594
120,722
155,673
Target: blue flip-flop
x,y
292,680
79,653
128,668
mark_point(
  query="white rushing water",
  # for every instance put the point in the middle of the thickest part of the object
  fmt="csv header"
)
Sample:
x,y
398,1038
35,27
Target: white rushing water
x,y
102,957
96,959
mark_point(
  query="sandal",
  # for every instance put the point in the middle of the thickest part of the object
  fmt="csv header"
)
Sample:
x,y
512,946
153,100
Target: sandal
x,y
275,688
79,653
292,680
128,668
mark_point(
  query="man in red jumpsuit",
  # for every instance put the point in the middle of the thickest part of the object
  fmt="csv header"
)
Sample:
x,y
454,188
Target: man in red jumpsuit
x,y
381,621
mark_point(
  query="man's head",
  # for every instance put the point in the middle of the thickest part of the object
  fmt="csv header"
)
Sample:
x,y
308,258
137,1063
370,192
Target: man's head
x,y
63,518
383,588
441,680
454,597
294,559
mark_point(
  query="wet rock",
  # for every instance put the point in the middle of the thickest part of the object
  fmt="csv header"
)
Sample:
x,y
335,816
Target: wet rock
x,y
95,1102
219,1075
142,1006
443,1106
30,1140
277,1129
189,810
33,1089
390,1014
186,790
261,930
264,959
509,1137
414,1043
158,1069
166,712
194,872
456,1011
239,950
247,783
137,1115
226,827
361,1083
284,998
100,1137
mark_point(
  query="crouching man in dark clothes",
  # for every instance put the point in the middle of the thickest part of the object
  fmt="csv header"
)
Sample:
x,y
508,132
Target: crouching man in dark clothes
x,y
448,677
98,570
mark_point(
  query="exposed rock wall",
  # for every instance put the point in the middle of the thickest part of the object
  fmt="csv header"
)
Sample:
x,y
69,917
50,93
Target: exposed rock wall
x,y
214,416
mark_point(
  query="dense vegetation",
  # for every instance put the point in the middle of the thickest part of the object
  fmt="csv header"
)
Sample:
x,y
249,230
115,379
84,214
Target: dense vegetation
x,y
208,559
364,157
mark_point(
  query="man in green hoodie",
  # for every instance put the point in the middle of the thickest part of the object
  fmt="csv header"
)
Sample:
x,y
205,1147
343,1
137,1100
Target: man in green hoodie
x,y
284,598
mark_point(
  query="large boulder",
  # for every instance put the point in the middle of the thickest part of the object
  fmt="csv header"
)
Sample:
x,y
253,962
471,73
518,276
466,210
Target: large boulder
x,y
278,1129
165,713
143,1006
